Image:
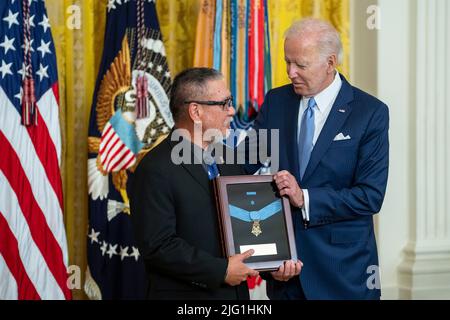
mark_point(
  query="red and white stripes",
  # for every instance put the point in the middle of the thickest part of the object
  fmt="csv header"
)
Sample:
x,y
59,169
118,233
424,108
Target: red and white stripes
x,y
114,154
33,247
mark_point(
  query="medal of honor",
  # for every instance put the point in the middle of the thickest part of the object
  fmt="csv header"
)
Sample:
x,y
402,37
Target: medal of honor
x,y
256,216
256,229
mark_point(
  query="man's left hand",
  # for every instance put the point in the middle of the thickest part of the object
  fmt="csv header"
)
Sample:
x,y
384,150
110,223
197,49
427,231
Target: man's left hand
x,y
288,186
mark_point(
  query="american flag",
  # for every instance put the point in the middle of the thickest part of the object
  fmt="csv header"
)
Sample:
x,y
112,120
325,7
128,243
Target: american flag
x,y
118,149
33,247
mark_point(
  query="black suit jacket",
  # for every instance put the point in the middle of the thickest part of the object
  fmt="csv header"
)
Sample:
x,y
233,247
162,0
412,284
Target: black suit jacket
x,y
176,228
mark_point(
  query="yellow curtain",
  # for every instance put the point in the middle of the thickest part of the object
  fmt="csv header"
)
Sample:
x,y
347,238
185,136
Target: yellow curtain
x,y
78,57
283,12
178,23
79,53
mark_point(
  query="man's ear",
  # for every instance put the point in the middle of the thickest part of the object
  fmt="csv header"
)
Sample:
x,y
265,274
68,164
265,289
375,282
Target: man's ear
x,y
332,63
194,112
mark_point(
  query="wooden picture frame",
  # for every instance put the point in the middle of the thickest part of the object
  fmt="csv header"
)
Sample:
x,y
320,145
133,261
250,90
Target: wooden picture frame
x,y
252,215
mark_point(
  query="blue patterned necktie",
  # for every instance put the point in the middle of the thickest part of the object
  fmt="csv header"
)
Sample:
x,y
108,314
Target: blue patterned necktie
x,y
213,171
305,138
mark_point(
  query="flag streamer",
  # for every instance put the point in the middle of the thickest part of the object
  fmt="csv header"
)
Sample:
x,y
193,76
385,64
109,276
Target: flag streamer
x,y
240,50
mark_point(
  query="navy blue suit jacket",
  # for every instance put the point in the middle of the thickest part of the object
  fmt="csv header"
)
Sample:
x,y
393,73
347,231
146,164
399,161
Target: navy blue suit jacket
x,y
346,181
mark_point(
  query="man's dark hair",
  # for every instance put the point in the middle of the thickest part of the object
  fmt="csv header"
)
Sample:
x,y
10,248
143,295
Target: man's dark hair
x,y
188,85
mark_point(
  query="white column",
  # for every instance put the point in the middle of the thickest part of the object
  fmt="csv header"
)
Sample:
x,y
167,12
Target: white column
x,y
424,272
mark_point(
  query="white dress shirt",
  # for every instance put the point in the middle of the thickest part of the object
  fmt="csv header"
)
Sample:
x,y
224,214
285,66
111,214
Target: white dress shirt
x,y
324,103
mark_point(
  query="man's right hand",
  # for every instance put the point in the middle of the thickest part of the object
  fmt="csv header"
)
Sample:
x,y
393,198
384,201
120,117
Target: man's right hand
x,y
288,186
237,271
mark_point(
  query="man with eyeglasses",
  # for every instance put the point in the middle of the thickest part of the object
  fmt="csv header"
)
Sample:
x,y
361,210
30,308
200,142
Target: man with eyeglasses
x,y
172,202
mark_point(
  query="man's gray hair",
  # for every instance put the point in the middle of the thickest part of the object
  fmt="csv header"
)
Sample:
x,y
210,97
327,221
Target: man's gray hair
x,y
327,37
190,84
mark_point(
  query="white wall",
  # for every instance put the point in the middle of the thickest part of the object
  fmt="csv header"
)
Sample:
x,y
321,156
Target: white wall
x,y
394,89
404,64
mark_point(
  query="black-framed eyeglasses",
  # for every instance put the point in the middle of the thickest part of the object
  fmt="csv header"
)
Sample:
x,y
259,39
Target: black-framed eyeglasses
x,y
225,104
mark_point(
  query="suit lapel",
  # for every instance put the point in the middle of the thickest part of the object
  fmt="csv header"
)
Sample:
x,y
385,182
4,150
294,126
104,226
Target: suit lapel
x,y
196,171
198,174
338,114
291,116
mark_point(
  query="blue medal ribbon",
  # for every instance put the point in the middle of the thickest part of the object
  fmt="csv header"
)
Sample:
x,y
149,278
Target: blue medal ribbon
x,y
258,215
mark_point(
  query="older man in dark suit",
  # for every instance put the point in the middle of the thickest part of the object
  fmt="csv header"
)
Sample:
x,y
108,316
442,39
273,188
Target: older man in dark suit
x,y
333,158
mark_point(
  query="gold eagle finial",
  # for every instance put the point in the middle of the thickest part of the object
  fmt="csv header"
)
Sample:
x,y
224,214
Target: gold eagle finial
x,y
117,80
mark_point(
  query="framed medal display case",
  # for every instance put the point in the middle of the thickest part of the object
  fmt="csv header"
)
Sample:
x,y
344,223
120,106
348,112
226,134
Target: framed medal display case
x,y
252,215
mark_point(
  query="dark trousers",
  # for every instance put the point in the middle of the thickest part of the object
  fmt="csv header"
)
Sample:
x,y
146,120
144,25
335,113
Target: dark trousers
x,y
290,290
